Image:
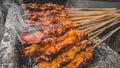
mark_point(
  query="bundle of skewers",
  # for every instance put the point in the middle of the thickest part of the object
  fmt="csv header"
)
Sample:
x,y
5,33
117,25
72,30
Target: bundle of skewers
x,y
60,37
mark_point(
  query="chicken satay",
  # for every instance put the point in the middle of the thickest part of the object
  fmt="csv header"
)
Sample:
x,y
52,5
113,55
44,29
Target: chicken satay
x,y
32,38
37,49
55,49
32,51
29,38
51,6
65,57
35,21
45,44
61,15
38,16
68,34
69,55
81,58
47,32
43,13
31,7
44,7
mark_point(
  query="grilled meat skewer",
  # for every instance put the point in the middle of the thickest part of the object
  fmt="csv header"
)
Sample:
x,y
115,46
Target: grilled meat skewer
x,y
57,48
81,58
49,42
84,56
44,7
64,57
27,37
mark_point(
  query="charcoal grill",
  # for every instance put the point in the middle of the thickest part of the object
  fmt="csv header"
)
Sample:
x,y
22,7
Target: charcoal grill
x,y
104,56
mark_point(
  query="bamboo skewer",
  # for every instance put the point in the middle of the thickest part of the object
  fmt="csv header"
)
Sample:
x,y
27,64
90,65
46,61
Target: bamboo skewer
x,y
107,36
80,15
92,22
88,12
94,14
91,38
88,26
92,9
98,26
97,18
114,23
85,24
85,21
98,32
81,18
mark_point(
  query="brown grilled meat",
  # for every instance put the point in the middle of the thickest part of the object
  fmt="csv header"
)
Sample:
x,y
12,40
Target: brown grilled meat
x,y
64,44
43,7
65,57
46,43
82,58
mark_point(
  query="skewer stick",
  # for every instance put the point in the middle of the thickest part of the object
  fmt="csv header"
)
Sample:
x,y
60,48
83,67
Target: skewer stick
x,y
92,24
115,22
83,21
98,32
107,36
98,18
98,26
81,15
79,18
86,25
88,12
92,9
91,38
90,17
89,26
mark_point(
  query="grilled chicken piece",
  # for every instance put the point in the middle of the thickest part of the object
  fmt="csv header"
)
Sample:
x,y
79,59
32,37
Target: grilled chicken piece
x,y
53,20
32,38
32,51
44,7
46,18
49,42
44,33
37,49
65,57
62,45
82,58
